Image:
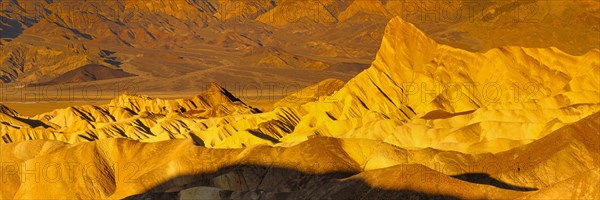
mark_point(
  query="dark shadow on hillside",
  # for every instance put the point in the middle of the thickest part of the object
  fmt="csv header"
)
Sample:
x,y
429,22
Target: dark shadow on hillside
x,y
482,178
197,140
113,62
108,57
440,114
261,135
267,182
75,31
10,28
33,123
106,53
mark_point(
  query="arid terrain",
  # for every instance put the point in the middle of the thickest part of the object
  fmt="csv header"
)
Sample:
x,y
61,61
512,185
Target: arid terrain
x,y
290,99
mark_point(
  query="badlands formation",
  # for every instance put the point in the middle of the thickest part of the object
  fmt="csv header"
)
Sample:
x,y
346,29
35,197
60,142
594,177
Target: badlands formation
x,y
425,120
167,46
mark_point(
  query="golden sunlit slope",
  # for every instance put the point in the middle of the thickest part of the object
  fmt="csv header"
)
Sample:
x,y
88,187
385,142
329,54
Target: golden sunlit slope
x,y
318,168
417,94
511,122
421,94
181,165
311,93
129,116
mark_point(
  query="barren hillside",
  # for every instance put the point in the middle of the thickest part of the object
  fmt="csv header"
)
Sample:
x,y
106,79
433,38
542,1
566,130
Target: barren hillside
x,y
425,120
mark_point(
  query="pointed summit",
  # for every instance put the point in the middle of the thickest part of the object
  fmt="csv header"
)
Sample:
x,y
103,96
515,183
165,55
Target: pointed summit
x,y
404,42
216,101
217,95
408,34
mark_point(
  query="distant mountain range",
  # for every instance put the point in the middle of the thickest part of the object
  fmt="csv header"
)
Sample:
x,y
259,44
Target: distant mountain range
x,y
175,43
